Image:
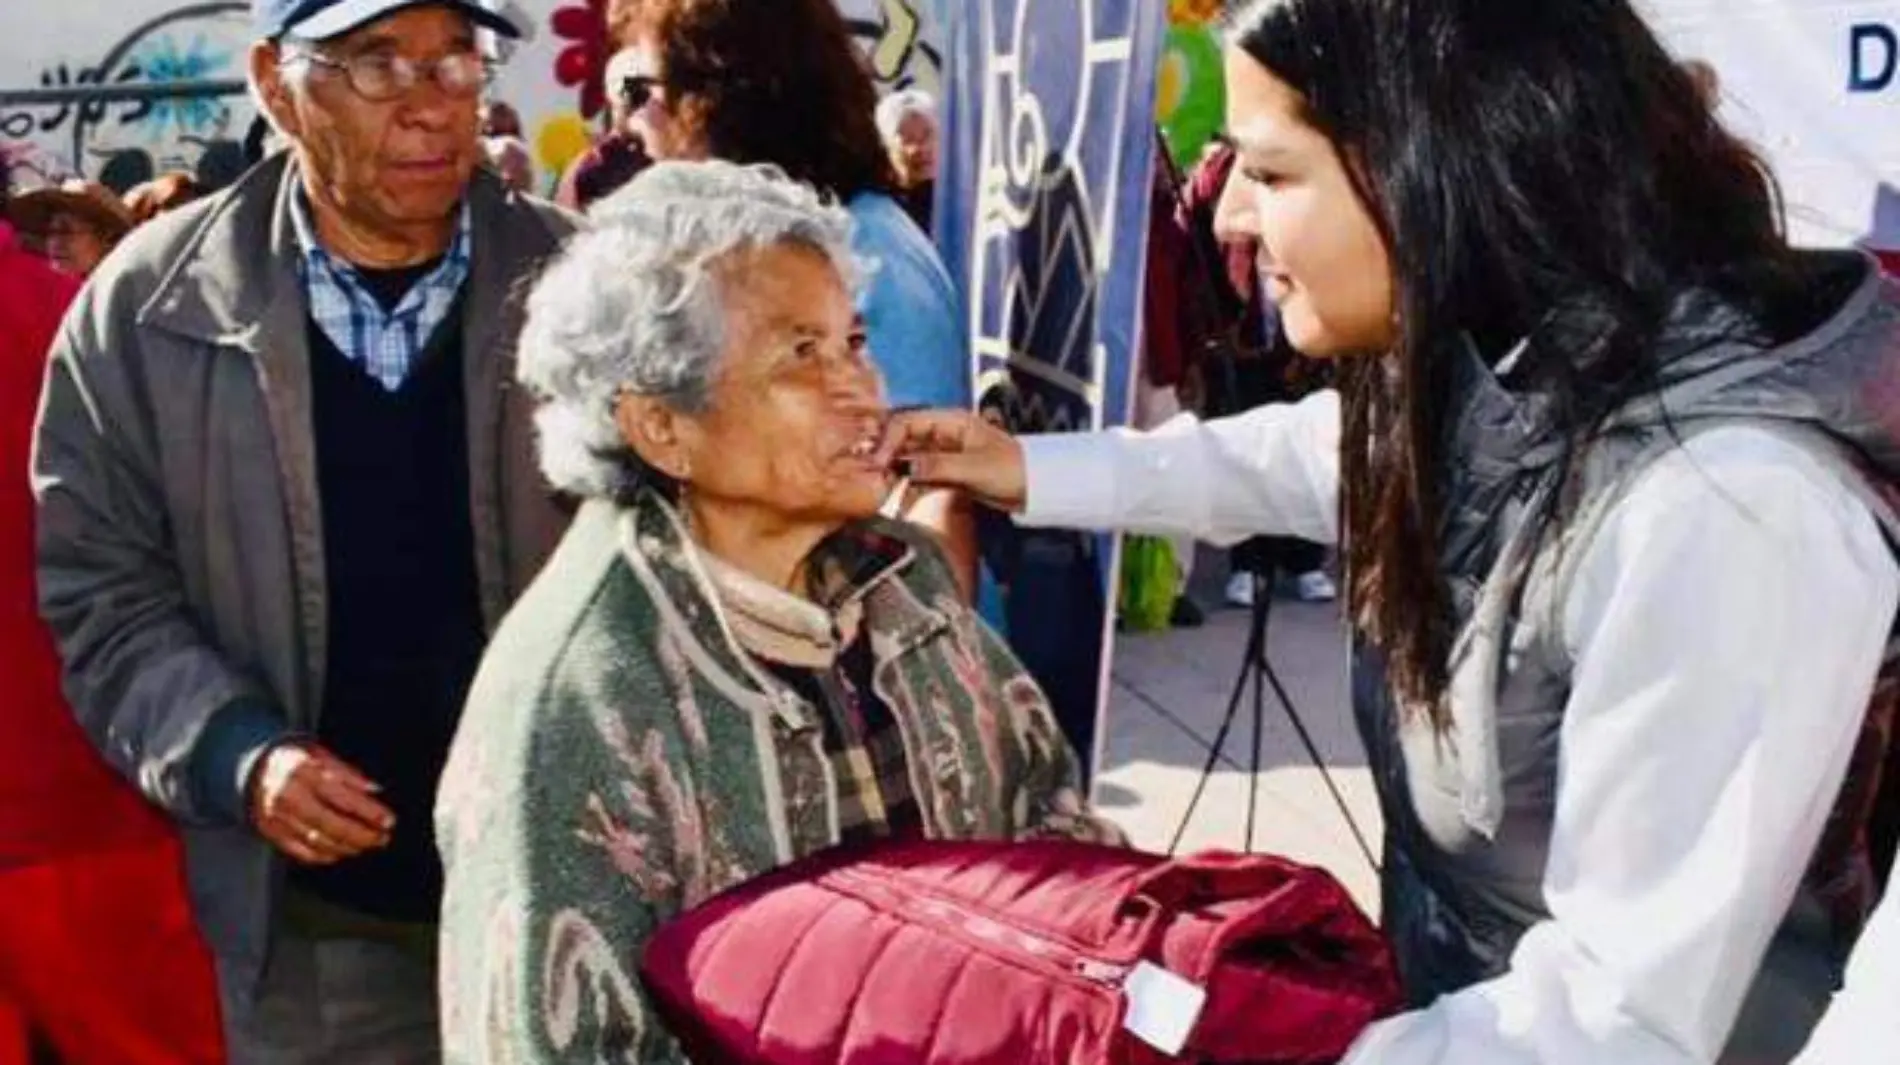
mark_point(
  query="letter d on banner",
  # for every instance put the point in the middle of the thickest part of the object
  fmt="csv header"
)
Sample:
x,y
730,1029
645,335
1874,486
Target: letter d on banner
x,y
1873,52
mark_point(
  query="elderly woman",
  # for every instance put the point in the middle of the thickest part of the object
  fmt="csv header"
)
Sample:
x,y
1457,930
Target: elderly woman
x,y
732,661
907,120
783,82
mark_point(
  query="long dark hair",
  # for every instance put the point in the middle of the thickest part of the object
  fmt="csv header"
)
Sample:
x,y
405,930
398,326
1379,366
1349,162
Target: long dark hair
x,y
1527,162
770,81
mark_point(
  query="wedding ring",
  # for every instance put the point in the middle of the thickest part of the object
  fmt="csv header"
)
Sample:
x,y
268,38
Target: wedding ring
x,y
313,837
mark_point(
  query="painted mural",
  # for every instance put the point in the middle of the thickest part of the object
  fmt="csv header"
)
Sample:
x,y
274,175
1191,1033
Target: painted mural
x,y
553,79
125,43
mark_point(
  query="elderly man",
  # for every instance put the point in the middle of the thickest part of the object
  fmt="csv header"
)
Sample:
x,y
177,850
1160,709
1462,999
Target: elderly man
x,y
285,490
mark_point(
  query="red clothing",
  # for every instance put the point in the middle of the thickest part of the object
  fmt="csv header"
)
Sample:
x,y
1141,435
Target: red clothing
x,y
1202,296
98,952
1165,361
57,796
604,169
100,960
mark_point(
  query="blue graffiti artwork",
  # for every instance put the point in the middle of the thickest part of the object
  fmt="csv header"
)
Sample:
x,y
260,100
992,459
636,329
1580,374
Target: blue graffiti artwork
x,y
161,60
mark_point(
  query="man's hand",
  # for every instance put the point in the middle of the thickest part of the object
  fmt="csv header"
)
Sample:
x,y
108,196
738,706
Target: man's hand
x,y
315,808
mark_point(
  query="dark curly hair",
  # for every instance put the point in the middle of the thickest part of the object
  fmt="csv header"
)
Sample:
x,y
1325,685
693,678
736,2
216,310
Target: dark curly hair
x,y
768,81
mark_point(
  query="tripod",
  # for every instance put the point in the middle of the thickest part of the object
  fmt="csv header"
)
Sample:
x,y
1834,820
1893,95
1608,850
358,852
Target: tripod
x,y
1258,672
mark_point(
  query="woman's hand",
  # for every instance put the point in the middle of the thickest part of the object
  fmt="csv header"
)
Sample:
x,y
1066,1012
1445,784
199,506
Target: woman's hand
x,y
961,450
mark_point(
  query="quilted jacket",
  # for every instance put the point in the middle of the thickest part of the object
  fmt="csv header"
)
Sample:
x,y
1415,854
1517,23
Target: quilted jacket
x,y
621,759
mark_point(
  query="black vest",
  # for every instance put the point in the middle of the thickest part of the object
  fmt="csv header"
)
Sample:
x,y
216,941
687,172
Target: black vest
x,y
406,630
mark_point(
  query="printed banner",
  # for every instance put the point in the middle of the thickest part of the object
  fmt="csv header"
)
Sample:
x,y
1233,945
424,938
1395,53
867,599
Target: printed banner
x,y
1815,86
1043,201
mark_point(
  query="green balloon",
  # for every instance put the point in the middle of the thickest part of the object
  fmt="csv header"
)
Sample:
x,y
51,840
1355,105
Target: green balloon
x,y
1192,81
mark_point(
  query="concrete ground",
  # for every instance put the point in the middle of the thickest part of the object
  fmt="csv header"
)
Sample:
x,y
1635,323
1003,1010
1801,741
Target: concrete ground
x,y
1169,693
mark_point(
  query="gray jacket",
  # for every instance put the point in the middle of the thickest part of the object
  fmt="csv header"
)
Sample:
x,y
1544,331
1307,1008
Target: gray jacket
x,y
181,560
1469,814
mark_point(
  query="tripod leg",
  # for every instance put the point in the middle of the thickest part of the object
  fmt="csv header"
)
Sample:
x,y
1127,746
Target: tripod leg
x,y
1256,649
1319,763
1213,759
1256,652
1253,778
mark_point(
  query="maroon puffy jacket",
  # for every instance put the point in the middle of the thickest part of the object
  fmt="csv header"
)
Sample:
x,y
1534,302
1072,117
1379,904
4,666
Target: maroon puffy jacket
x,y
1022,954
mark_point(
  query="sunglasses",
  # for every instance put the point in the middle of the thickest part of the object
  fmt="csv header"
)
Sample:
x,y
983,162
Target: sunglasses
x,y
638,91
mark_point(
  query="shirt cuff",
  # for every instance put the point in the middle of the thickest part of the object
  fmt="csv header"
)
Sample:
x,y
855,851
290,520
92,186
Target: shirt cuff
x,y
235,739
1070,481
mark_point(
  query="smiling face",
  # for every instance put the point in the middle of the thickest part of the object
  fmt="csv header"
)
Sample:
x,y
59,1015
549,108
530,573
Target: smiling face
x,y
396,168
1322,260
796,405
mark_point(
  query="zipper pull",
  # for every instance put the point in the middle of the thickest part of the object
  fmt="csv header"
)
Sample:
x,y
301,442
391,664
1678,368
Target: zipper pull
x,y
1101,972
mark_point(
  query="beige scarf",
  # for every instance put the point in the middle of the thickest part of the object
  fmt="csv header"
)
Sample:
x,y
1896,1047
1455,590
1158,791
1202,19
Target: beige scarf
x,y
778,626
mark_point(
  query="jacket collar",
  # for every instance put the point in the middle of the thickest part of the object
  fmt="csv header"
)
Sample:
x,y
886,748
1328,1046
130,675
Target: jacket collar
x,y
863,563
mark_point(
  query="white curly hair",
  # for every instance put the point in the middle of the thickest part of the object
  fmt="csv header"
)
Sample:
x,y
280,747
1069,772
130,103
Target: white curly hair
x,y
631,304
894,108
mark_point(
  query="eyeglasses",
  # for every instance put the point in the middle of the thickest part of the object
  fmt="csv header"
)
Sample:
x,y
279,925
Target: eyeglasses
x,y
639,90
379,77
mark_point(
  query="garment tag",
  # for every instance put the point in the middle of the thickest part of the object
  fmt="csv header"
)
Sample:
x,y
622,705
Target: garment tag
x,y
1162,1007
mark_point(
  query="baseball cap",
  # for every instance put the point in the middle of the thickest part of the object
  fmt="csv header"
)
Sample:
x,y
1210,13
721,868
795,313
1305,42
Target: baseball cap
x,y
320,20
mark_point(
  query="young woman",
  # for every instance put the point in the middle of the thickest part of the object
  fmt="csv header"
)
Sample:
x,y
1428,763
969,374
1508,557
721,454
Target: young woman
x,y
1605,458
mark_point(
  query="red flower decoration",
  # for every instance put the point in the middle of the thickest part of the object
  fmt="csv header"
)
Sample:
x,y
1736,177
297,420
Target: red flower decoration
x,y
583,63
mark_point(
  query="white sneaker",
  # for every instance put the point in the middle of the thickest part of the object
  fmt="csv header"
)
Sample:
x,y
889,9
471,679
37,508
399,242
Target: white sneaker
x,y
1239,590
1315,587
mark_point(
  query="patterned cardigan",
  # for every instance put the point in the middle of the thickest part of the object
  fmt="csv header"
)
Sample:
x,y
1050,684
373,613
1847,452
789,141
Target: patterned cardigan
x,y
621,760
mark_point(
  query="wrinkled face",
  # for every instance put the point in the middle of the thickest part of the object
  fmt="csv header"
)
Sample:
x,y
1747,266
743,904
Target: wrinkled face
x,y
1322,260
73,244
915,151
654,117
797,405
385,164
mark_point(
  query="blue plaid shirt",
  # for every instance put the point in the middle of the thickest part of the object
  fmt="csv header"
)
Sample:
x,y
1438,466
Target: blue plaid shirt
x,y
386,343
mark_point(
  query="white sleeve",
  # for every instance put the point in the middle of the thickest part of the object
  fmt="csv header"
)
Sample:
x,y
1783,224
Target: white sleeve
x,y
1862,1027
1727,625
1271,471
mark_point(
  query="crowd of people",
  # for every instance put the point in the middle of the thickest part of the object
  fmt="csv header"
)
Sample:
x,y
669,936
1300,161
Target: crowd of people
x,y
414,593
